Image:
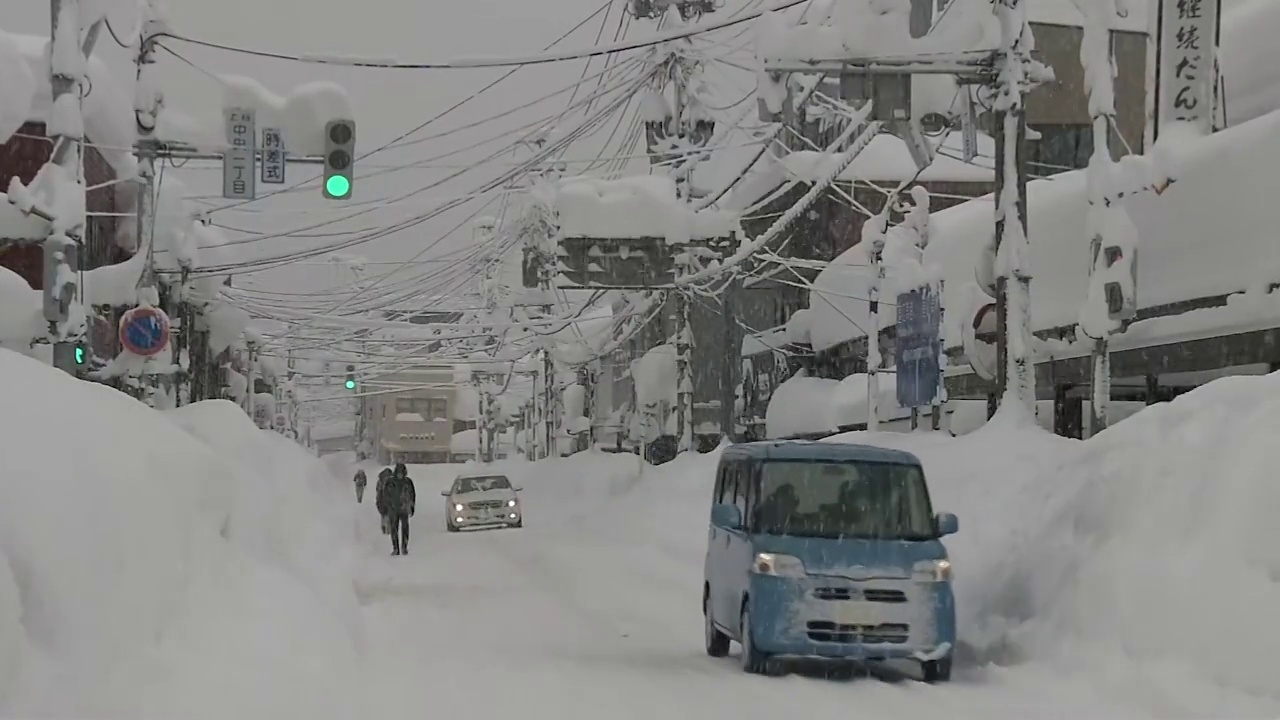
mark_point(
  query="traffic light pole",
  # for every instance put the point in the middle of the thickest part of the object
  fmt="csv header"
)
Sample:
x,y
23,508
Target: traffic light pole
x,y
62,246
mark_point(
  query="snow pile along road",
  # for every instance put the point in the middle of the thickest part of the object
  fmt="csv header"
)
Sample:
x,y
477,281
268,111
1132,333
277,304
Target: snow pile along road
x,y
153,568
1143,559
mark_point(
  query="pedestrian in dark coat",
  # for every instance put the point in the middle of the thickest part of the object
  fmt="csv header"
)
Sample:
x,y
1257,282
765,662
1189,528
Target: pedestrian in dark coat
x,y
380,499
401,499
361,481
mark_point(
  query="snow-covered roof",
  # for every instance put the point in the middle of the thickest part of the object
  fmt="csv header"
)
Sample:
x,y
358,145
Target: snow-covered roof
x,y
864,29
108,109
1250,61
886,159
641,206
1210,233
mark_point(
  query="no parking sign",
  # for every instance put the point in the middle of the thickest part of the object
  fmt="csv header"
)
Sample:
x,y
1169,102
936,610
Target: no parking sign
x,y
144,331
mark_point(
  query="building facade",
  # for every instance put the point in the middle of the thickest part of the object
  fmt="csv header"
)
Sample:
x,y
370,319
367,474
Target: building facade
x,y
416,424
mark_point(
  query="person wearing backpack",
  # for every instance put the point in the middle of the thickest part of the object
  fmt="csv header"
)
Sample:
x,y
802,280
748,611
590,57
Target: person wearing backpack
x,y
380,495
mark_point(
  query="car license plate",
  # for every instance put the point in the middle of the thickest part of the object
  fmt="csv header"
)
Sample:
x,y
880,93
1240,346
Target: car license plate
x,y
856,613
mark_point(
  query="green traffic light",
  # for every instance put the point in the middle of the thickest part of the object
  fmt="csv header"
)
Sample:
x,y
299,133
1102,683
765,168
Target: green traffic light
x,y
351,384
79,356
337,186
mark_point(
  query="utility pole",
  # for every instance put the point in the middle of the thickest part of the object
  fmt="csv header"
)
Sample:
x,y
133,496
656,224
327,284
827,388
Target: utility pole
x,y
1016,373
252,379
1095,45
63,303
874,232
731,373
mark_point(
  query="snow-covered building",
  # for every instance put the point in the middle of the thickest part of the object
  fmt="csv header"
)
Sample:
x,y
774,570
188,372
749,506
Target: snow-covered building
x,y
109,130
416,414
1207,300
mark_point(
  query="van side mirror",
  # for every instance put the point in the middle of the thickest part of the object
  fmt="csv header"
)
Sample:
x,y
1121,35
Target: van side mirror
x,y
946,524
518,488
444,493
726,516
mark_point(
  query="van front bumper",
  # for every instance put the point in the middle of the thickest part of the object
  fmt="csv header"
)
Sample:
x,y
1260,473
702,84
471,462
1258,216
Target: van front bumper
x,y
831,617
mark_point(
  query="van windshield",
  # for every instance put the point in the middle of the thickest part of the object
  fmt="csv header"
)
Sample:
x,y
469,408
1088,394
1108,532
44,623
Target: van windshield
x,y
843,500
481,484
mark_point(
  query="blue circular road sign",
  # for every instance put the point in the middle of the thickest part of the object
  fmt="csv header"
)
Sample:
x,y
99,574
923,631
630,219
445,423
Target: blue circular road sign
x,y
144,331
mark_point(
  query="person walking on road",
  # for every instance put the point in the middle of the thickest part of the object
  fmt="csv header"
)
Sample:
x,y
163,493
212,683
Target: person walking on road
x,y
380,491
361,481
399,499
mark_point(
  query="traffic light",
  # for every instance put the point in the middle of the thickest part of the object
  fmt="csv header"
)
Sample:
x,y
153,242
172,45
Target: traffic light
x,y
339,158
81,357
351,377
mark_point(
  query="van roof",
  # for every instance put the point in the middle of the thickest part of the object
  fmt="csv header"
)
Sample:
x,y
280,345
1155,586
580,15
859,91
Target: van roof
x,y
811,450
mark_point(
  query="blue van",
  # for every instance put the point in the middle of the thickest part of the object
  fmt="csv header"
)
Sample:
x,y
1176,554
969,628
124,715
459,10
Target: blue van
x,y
827,550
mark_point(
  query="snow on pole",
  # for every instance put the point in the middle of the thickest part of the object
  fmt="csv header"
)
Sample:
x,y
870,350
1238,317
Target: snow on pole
x,y
62,184
1017,74
1099,78
874,233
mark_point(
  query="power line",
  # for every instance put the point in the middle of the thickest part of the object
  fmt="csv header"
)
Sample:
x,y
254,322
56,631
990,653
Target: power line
x,y
481,62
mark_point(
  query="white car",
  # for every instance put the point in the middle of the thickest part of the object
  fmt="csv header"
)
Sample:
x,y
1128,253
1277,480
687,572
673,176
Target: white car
x,y
482,501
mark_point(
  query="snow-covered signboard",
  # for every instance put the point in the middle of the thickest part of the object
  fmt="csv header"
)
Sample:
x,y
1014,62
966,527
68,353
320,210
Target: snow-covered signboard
x,y
238,181
272,156
1188,36
918,347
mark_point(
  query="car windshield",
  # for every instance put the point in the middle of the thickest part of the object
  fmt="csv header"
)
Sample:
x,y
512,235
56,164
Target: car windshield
x,y
843,500
481,484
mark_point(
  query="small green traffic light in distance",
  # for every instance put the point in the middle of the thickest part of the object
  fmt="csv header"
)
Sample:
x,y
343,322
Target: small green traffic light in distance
x,y
80,356
337,186
351,384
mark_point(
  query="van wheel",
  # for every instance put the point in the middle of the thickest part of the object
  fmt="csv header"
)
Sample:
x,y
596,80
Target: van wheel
x,y
717,642
754,662
937,671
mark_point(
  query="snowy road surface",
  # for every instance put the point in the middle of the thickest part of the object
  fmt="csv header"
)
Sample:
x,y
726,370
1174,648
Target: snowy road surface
x,y
592,610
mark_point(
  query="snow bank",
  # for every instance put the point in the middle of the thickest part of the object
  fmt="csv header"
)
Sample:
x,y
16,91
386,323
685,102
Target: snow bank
x,y
167,567
803,405
21,312
302,114
641,206
1142,557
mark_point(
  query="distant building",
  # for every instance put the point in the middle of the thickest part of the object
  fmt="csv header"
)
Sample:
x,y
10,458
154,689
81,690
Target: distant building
x,y
415,424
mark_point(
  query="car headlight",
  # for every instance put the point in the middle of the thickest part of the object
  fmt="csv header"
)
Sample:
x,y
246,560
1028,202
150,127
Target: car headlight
x,y
511,503
778,565
933,570
457,507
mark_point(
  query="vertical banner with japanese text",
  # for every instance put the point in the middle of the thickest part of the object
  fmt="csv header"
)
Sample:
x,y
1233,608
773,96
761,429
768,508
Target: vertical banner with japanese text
x,y
1188,37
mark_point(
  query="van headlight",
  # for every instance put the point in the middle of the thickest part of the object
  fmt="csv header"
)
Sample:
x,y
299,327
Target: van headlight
x,y
932,571
457,507
511,503
778,565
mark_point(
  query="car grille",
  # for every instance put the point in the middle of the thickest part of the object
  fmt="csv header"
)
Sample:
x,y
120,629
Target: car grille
x,y
486,504
868,594
885,633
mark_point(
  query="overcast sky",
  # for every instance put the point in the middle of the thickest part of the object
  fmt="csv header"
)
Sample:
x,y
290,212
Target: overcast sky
x,y
387,102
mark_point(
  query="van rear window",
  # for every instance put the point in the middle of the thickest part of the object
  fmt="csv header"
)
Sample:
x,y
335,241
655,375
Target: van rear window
x,y
843,500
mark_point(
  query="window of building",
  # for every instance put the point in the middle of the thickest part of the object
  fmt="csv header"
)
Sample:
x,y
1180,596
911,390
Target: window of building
x,y
436,409
1059,149
405,405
